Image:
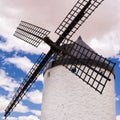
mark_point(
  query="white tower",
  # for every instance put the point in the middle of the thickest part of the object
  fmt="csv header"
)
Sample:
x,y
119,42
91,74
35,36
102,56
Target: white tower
x,y
67,97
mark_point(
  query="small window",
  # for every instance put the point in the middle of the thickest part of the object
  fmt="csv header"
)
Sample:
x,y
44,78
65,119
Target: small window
x,y
73,69
102,72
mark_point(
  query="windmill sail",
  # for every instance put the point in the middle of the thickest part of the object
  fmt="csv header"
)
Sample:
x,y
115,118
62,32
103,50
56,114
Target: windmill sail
x,y
92,68
30,33
77,16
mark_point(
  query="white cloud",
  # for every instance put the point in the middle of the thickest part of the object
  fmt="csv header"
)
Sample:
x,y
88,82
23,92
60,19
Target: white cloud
x,y
21,108
22,63
30,117
15,44
12,118
3,103
108,45
10,16
118,117
41,78
6,82
36,112
35,97
117,98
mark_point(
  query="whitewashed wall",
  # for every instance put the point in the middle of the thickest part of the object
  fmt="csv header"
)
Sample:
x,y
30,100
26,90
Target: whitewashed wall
x,y
66,97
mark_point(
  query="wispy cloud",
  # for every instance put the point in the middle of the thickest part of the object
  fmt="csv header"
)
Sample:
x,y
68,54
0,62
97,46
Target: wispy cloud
x,y
14,44
41,78
118,117
30,117
22,63
3,103
36,112
34,97
6,82
108,44
117,98
21,108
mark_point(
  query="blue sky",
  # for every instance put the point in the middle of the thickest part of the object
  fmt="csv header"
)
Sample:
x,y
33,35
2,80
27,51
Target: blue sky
x,y
101,32
117,84
12,73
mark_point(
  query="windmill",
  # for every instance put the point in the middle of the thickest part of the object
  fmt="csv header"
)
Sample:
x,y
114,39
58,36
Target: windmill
x,y
64,51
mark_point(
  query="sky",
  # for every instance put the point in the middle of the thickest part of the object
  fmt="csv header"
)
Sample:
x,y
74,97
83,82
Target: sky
x,y
100,31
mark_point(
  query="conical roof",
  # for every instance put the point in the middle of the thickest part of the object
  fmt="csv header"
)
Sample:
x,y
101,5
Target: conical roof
x,y
80,49
82,43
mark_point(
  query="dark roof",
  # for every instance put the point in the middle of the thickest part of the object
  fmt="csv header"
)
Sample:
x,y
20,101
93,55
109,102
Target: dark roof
x,y
82,43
